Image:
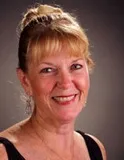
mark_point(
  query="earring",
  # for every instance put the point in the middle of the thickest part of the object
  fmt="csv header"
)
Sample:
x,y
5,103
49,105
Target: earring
x,y
28,109
85,103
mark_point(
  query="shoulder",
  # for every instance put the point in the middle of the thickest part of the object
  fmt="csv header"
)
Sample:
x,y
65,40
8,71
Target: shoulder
x,y
10,134
12,131
3,153
101,146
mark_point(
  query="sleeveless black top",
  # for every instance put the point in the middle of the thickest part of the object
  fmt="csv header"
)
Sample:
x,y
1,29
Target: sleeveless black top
x,y
93,148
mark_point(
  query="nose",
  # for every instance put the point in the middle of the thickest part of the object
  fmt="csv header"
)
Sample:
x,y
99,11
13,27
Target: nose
x,y
64,80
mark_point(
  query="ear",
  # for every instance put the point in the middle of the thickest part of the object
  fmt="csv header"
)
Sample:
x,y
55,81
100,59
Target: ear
x,y
24,80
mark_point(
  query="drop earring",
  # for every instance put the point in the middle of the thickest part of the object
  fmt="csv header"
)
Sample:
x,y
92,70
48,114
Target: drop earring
x,y
28,109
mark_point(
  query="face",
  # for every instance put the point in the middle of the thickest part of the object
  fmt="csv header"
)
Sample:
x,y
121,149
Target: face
x,y
59,86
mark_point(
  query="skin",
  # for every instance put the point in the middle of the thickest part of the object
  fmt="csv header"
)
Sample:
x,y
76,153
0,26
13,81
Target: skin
x,y
53,120
64,76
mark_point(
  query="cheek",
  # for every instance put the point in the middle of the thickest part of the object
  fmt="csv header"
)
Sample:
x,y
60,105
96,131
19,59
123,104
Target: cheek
x,y
42,87
83,86
87,82
83,82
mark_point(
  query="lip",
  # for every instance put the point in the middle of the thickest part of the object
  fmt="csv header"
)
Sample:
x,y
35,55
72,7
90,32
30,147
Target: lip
x,y
65,95
64,99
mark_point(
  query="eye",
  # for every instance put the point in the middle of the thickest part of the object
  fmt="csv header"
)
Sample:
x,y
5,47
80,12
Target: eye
x,y
47,70
76,66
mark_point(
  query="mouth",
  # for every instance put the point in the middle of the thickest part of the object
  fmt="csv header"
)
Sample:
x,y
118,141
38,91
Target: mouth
x,y
64,99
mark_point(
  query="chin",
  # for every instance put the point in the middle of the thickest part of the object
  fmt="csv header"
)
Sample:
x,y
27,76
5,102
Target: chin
x,y
67,112
67,117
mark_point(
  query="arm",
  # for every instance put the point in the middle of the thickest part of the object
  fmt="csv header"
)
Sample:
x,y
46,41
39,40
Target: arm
x,y
3,154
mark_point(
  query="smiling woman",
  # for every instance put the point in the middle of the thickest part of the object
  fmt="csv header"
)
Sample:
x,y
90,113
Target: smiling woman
x,y
53,68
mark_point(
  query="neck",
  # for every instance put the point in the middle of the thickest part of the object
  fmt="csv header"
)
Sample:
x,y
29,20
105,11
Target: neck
x,y
58,138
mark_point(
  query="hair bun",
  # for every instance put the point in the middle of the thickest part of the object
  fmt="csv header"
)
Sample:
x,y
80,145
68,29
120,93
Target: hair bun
x,y
40,11
45,9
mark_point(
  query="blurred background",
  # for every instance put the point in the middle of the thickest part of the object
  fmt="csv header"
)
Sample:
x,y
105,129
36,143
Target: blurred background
x,y
103,21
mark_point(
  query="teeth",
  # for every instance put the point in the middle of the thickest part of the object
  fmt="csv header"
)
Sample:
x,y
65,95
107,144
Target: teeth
x,y
64,99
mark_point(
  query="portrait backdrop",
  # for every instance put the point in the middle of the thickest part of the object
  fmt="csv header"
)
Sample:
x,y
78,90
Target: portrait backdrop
x,y
103,21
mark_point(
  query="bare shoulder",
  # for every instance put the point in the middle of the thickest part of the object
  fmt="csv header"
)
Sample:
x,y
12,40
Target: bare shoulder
x,y
100,145
3,154
12,132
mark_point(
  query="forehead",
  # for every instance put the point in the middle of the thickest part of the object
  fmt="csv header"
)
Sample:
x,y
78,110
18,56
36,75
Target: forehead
x,y
60,58
51,47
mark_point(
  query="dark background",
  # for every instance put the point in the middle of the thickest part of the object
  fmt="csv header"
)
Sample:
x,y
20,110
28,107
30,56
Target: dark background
x,y
104,24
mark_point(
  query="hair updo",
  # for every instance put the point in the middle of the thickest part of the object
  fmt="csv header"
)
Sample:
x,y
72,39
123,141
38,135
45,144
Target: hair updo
x,y
45,30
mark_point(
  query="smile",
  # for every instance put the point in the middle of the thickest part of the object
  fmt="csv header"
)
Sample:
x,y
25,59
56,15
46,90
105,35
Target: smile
x,y
64,99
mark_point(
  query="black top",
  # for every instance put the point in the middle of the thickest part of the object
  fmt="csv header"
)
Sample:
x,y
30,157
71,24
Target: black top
x,y
93,148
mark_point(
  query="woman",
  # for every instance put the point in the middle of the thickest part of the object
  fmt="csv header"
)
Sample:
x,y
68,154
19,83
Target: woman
x,y
54,65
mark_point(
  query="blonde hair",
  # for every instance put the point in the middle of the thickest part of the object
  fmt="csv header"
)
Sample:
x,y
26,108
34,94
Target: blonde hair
x,y
45,30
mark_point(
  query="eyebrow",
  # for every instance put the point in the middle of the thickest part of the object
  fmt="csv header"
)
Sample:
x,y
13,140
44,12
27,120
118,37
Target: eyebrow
x,y
48,63
77,60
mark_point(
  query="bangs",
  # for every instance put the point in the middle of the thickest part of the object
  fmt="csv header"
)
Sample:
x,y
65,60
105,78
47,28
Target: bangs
x,y
50,45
